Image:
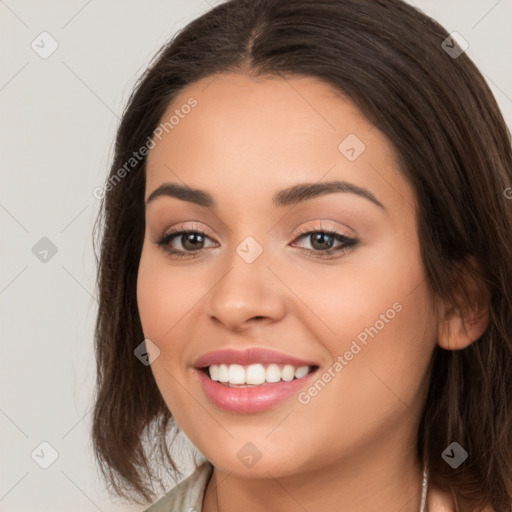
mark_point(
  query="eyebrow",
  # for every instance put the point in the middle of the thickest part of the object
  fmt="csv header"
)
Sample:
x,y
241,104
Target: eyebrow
x,y
289,196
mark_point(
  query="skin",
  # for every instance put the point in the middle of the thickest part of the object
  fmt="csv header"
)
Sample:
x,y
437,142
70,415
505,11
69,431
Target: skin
x,y
353,445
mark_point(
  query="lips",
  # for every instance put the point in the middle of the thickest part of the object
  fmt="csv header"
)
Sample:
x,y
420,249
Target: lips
x,y
256,398
248,357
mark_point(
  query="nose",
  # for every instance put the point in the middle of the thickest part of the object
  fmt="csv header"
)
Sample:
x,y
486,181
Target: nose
x,y
247,294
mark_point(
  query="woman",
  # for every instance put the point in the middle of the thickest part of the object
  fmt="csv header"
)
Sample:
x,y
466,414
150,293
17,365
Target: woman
x,y
306,266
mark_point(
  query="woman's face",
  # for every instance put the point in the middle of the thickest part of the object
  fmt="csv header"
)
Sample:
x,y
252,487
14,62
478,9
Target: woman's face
x,y
264,274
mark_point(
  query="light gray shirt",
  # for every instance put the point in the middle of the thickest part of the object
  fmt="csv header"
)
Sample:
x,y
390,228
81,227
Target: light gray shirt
x,y
188,495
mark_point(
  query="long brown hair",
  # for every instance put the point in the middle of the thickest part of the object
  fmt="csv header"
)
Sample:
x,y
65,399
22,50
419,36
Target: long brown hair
x,y
454,149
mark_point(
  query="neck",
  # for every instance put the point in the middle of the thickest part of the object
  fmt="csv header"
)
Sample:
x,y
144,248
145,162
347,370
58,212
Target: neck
x,y
375,482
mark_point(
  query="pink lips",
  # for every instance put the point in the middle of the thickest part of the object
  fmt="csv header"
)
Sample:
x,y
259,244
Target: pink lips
x,y
250,399
249,356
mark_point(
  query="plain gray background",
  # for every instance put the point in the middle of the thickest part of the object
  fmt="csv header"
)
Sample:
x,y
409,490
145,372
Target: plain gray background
x,y
59,116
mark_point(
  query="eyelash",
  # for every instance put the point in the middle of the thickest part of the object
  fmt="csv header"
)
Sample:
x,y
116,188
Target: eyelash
x,y
348,243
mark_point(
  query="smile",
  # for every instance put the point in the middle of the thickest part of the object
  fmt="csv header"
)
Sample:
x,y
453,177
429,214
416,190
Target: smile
x,y
253,398
252,380
255,374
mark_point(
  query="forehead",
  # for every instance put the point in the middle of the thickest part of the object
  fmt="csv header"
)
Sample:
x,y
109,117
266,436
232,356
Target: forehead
x,y
270,133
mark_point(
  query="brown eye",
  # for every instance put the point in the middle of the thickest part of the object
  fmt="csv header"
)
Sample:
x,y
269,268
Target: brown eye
x,y
322,242
188,242
191,241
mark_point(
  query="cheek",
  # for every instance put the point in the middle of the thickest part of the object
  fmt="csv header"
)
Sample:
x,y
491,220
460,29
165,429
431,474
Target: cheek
x,y
150,286
386,342
162,299
164,295
375,313
340,301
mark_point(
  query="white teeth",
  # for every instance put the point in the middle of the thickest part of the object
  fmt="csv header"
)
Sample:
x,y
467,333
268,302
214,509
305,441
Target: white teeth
x,y
273,373
223,373
214,372
255,374
301,372
236,374
288,373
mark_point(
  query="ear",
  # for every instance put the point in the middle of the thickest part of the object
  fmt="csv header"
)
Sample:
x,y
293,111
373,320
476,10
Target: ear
x,y
460,326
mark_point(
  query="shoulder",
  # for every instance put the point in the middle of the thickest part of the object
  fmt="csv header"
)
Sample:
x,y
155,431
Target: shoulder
x,y
188,495
439,501
442,501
